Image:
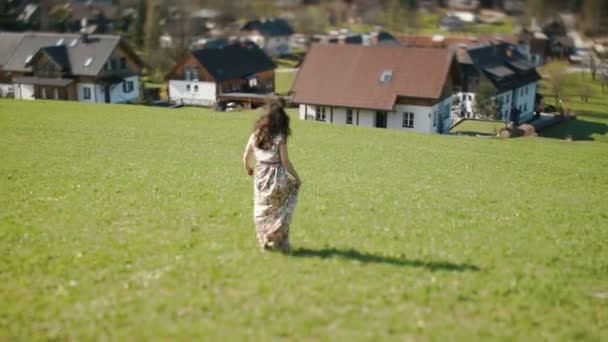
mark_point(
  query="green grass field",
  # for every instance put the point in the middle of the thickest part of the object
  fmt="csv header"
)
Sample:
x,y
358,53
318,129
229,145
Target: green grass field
x,y
134,223
284,81
592,116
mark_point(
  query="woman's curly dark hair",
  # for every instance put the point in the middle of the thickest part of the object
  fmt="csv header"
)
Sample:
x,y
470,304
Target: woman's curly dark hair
x,y
273,123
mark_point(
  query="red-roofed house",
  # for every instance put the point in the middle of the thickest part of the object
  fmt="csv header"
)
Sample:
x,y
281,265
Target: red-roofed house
x,y
377,86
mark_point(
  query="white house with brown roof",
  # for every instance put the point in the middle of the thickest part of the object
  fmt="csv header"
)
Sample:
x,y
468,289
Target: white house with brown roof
x,y
377,86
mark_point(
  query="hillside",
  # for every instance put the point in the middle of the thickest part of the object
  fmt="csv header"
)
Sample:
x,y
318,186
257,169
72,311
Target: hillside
x,y
134,223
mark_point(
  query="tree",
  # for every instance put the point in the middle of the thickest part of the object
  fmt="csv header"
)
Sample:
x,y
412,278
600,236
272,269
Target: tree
x,y
140,22
151,26
556,73
604,78
486,106
592,15
592,66
394,12
585,92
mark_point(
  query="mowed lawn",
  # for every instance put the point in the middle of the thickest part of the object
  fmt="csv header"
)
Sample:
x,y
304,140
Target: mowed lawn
x,y
134,223
592,115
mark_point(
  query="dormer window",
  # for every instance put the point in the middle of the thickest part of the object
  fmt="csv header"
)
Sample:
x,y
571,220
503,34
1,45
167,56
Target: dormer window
x,y
386,76
109,65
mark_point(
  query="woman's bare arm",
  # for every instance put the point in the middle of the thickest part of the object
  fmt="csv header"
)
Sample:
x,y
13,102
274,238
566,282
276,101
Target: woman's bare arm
x,y
287,163
247,157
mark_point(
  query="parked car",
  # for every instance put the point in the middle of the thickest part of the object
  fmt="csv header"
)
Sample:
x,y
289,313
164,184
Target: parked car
x,y
233,107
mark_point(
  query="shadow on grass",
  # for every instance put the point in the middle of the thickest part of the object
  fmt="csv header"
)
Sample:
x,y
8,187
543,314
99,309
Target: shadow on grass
x,y
578,129
351,254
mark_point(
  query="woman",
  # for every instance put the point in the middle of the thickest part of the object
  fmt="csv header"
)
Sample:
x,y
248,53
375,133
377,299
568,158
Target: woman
x,y
276,182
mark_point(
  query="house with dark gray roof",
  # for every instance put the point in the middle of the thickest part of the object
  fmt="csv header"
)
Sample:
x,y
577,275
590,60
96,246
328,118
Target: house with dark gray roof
x,y
508,71
204,74
272,35
77,67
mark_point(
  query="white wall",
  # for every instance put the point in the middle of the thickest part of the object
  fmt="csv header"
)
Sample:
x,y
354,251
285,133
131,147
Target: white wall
x,y
118,95
423,118
5,88
205,96
24,91
95,92
506,98
366,117
524,101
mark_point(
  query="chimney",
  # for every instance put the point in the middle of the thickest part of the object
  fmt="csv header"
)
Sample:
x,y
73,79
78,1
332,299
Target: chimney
x,y
84,35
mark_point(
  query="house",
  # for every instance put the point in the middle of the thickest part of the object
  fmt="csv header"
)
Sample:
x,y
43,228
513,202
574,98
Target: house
x,y
513,7
8,42
451,23
510,73
377,86
347,37
76,67
463,5
204,74
535,45
272,35
102,16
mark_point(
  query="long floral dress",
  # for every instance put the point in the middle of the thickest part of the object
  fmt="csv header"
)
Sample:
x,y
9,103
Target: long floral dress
x,y
275,194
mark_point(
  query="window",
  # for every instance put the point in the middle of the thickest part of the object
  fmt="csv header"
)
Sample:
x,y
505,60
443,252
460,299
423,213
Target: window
x,y
191,73
196,88
435,119
508,97
408,120
349,116
86,93
123,63
320,114
127,86
60,41
74,42
525,107
88,62
109,65
386,76
187,87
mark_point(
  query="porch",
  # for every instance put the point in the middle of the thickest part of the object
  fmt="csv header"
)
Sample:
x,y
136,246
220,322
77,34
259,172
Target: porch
x,y
49,88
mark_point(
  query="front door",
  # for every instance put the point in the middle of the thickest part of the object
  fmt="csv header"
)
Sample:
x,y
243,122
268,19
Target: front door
x,y
107,94
380,119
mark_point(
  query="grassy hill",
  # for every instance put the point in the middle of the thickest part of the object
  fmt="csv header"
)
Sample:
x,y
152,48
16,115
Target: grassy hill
x,y
134,223
592,115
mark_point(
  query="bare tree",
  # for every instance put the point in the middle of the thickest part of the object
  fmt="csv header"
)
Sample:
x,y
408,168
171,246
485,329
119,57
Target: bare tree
x,y
592,66
556,73
592,15
486,106
585,91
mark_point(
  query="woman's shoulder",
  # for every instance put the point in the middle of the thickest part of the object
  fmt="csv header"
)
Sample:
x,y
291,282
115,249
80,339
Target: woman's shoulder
x,y
280,139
